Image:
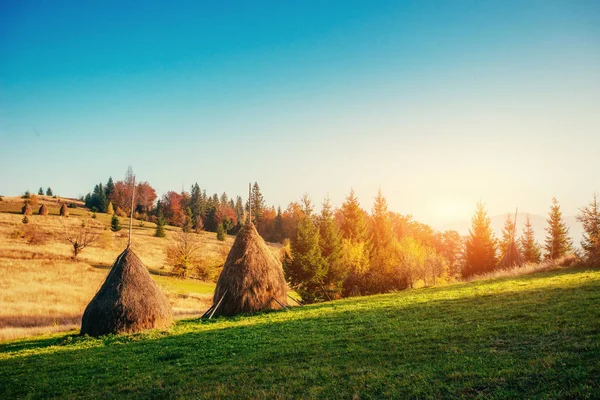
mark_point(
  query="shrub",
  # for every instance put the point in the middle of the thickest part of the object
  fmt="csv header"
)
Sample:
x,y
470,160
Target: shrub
x,y
220,233
25,220
35,236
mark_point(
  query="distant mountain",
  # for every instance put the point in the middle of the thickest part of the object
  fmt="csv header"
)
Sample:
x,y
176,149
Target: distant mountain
x,y
537,221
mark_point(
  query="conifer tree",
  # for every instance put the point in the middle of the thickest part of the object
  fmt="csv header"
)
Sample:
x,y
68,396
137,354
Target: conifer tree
x,y
25,220
115,224
41,191
480,248
109,188
557,243
258,205
530,249
220,232
330,243
187,223
49,192
508,235
278,226
110,209
353,224
160,224
307,269
590,220
381,272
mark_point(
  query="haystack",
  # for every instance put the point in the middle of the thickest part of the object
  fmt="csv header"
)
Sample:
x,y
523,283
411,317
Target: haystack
x,y
64,211
252,277
128,301
512,257
26,209
43,210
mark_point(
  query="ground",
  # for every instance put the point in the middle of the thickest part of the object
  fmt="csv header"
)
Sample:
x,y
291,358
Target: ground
x,y
533,336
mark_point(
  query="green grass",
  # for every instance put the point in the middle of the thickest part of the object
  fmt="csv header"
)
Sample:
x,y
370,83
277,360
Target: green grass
x,y
533,336
184,286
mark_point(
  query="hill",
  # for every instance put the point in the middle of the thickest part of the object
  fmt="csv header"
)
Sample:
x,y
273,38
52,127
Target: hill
x,y
535,336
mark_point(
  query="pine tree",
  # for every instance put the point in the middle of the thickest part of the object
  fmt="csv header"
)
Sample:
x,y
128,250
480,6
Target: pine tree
x,y
160,223
220,232
258,205
481,245
49,192
508,235
380,277
557,243
41,191
353,225
307,269
115,224
278,226
530,249
187,223
109,188
590,220
110,209
330,243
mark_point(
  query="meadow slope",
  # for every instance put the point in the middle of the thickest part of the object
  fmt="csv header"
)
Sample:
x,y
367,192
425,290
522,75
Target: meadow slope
x,y
530,336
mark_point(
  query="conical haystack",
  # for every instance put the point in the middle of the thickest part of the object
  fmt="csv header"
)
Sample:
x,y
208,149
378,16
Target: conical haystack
x,y
128,301
26,209
64,211
512,257
43,210
252,277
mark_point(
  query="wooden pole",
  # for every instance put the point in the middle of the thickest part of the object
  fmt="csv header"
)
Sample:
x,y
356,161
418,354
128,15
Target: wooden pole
x,y
217,306
300,304
207,311
325,291
284,307
131,214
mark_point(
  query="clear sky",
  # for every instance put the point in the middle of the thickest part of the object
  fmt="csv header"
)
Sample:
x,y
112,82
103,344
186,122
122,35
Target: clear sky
x,y
438,103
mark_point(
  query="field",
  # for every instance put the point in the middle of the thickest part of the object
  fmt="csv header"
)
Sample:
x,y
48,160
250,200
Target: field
x,y
43,290
531,336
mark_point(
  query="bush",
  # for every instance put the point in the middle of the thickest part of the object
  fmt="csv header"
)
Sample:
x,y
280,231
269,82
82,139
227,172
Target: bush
x,y
25,220
220,233
35,236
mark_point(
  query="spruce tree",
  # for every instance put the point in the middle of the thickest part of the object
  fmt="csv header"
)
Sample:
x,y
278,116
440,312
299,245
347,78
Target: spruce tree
x,y
187,223
110,209
49,192
530,249
307,269
258,205
221,232
480,248
115,224
330,243
557,243
160,224
380,277
353,224
278,226
508,235
41,191
590,220
109,188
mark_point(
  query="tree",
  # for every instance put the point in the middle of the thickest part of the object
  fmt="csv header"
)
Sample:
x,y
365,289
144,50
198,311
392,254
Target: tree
x,y
81,236
110,209
109,188
182,255
480,248
508,235
452,249
172,208
49,192
160,224
590,220
187,223
307,269
530,249
258,205
353,225
557,243
330,243
115,225
278,227
381,239
145,195
221,232
25,220
41,191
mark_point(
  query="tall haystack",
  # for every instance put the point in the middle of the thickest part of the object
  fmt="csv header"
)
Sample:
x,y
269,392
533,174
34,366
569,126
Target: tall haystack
x,y
512,257
128,301
64,211
43,210
252,277
26,209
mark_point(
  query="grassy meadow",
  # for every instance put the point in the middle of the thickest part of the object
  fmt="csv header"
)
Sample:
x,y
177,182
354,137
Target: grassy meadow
x,y
534,336
43,290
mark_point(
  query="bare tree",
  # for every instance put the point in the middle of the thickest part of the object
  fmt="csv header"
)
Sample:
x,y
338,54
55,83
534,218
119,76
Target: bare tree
x,y
182,255
81,236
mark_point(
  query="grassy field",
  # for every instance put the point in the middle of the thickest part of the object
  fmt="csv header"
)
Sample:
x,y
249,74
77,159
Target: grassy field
x,y
521,337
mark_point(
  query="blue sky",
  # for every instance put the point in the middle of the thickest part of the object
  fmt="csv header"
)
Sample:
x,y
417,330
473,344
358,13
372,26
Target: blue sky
x,y
438,103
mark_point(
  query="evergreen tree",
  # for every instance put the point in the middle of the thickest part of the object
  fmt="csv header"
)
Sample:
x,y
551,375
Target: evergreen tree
x,y
530,249
239,211
480,248
220,232
49,192
557,243
353,226
41,191
307,269
25,220
187,223
109,188
278,226
197,205
380,277
258,206
508,235
110,209
330,243
160,223
114,223
590,220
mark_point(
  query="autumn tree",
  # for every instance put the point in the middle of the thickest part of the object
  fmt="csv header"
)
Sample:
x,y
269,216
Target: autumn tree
x,y
172,208
81,236
183,254
355,253
589,217
110,209
381,239
330,243
557,243
187,223
278,226
353,224
145,195
452,250
480,248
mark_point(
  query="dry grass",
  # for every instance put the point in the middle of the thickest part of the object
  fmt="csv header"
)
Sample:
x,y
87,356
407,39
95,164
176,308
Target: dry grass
x,y
43,290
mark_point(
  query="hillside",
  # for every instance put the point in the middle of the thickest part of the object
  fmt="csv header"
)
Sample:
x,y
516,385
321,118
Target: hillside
x,y
532,336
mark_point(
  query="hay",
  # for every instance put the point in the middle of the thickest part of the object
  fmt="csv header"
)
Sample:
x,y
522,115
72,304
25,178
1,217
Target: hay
x,y
128,301
43,210
26,209
512,257
64,211
251,278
